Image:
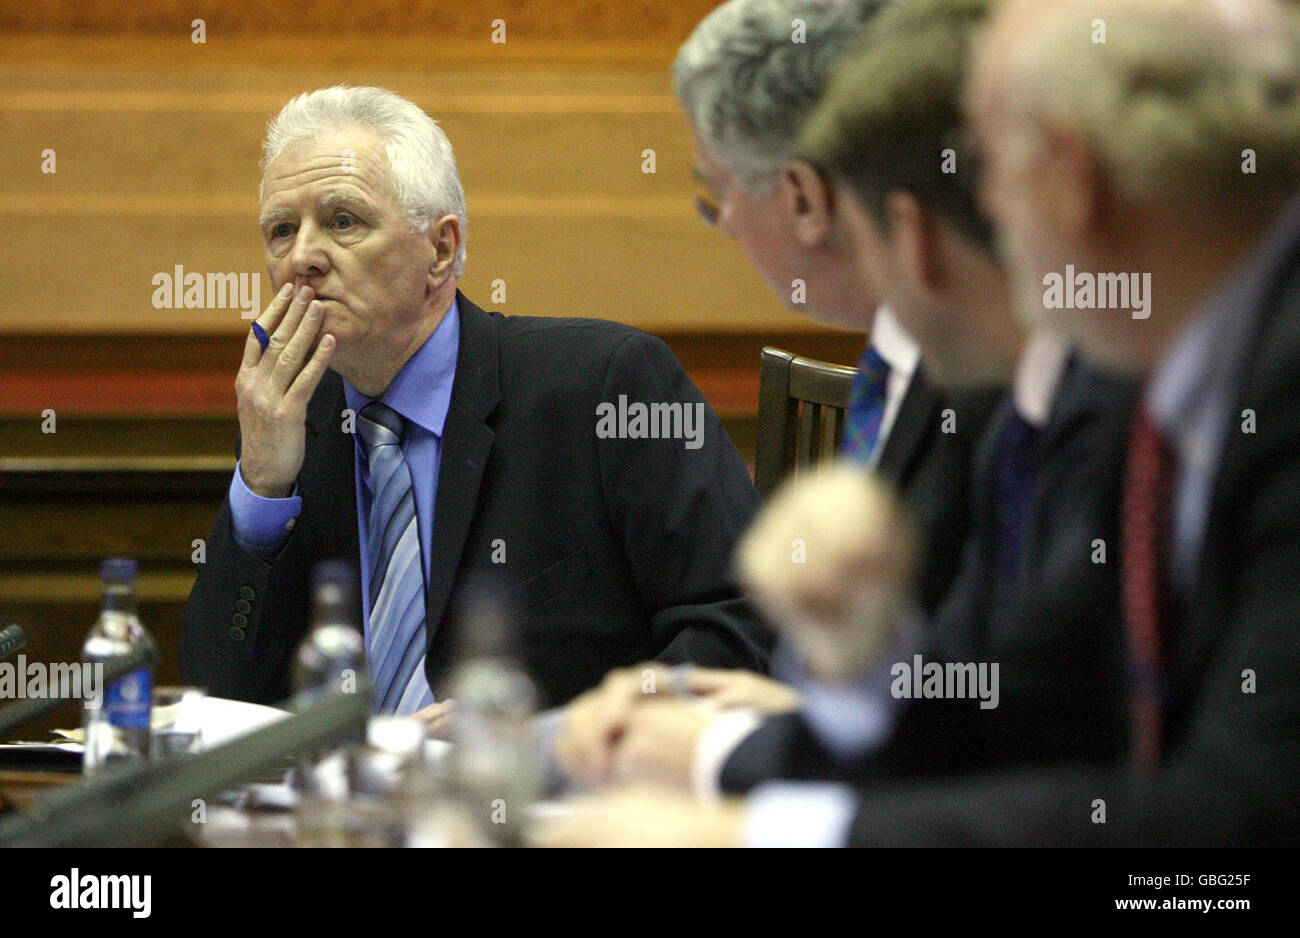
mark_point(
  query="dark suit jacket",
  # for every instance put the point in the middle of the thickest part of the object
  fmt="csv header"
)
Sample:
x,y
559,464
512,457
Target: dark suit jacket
x,y
1057,643
1230,772
931,470
617,550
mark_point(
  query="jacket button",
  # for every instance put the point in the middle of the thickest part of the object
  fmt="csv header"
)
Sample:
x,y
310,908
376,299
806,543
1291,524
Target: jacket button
x,y
240,620
246,592
237,634
244,606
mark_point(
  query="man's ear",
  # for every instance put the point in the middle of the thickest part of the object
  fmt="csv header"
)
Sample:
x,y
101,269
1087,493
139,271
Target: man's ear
x,y
1071,183
810,202
911,236
444,238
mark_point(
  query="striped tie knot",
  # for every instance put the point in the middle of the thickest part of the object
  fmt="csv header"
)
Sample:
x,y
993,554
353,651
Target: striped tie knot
x,y
866,410
380,425
874,368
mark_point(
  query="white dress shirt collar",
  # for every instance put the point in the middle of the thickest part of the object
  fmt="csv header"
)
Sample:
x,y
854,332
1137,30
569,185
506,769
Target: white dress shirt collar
x,y
1038,376
895,346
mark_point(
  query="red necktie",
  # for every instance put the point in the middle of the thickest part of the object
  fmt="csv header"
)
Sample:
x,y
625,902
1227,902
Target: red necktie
x,y
1144,532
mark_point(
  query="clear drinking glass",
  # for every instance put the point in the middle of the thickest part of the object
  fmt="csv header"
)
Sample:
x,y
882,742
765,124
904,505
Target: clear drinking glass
x,y
177,720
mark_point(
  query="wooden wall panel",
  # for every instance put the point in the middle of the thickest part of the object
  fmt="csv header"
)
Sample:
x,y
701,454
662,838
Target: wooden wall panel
x,y
156,150
466,19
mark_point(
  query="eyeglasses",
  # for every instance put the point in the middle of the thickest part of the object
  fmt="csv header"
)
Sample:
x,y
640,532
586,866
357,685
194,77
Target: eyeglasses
x,y
708,208
709,203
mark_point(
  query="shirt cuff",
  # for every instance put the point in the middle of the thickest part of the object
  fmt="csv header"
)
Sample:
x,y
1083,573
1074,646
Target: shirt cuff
x,y
798,814
261,525
850,719
720,737
856,717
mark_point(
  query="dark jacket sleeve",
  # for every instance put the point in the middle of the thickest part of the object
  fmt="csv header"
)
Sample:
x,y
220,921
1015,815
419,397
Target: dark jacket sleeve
x,y
241,624
246,614
679,511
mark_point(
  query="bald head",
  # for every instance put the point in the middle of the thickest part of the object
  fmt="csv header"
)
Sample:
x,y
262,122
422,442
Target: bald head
x,y
1167,93
1153,139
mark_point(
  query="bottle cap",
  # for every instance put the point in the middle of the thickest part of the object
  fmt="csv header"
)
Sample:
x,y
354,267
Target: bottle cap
x,y
118,570
334,583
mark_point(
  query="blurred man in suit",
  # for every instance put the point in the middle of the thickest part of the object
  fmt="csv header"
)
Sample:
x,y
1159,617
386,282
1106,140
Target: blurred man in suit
x,y
385,418
1029,578
747,79
1163,155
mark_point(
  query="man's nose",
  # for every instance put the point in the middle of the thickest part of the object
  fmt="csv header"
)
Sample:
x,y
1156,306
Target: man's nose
x,y
309,256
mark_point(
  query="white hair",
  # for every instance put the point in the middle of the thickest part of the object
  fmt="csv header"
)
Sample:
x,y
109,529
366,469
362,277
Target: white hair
x,y
1174,95
421,164
752,71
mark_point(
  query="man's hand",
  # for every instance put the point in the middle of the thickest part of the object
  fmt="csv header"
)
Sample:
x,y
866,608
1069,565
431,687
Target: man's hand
x,y
273,388
736,687
659,742
593,746
640,818
596,721
830,560
661,733
438,719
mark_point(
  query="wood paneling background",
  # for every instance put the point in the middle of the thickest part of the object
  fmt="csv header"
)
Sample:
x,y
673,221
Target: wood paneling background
x,y
156,145
574,20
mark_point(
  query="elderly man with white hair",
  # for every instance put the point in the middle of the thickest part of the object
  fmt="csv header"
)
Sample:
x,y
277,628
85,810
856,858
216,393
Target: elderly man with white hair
x,y
387,420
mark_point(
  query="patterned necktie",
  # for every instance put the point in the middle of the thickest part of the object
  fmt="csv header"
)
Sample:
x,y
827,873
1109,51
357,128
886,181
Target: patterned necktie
x,y
866,408
397,598
1144,520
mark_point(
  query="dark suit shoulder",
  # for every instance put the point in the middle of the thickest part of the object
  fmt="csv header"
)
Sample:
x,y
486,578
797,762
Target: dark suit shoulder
x,y
585,339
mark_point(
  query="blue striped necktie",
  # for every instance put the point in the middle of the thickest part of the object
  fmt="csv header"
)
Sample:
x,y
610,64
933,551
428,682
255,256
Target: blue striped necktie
x,y
866,409
397,599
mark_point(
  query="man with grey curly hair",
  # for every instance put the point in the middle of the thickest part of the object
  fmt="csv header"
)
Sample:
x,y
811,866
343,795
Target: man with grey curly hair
x,y
748,78
387,420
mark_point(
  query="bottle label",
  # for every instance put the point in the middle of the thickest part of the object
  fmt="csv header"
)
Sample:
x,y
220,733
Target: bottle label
x,y
128,700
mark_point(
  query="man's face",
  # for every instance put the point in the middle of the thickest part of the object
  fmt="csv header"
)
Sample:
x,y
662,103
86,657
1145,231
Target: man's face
x,y
1017,189
1026,241
329,220
963,341
789,234
759,224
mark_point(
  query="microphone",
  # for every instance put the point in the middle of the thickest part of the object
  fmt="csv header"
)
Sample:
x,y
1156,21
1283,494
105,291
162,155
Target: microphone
x,y
142,805
12,638
20,712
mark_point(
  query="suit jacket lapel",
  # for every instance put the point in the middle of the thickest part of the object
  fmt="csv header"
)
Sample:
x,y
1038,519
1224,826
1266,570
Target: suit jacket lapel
x,y
1270,360
466,443
912,424
328,477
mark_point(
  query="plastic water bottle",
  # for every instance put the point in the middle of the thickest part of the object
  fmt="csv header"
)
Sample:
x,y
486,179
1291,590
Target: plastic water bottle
x,y
496,768
331,659
117,724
